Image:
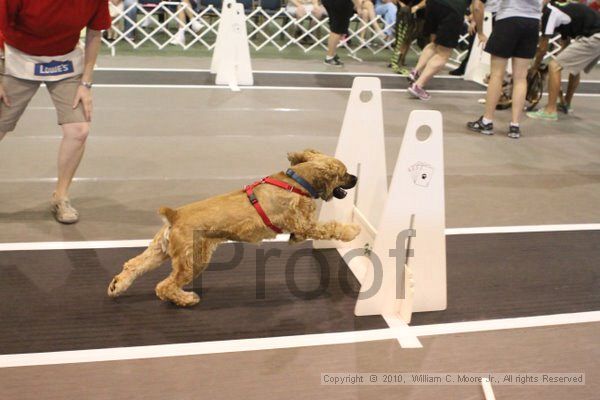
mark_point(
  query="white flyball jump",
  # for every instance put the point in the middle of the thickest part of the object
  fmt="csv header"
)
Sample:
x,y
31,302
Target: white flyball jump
x,y
400,256
231,56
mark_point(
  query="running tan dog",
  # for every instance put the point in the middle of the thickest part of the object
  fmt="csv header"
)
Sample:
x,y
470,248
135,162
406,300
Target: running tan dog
x,y
191,233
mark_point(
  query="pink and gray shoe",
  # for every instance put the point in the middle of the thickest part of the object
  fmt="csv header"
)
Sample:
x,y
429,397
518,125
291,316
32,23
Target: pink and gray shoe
x,y
413,76
418,92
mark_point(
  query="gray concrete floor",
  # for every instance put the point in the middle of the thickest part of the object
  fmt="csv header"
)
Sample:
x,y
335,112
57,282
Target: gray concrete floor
x,y
295,373
151,147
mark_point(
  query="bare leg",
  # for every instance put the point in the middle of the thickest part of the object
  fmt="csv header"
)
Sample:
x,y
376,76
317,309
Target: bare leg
x,y
571,88
300,13
494,90
188,10
554,70
70,153
180,16
364,17
426,54
519,91
434,65
373,17
332,43
318,12
404,47
185,9
153,257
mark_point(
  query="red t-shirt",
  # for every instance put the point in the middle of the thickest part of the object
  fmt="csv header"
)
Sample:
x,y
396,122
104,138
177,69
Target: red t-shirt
x,y
595,6
49,27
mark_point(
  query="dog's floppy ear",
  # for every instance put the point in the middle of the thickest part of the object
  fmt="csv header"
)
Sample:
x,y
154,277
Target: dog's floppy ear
x,y
302,156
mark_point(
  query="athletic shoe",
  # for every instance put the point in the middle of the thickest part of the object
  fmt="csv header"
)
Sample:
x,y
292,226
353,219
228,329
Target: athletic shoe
x,y
413,76
479,126
335,61
541,114
146,23
196,26
178,39
418,92
457,72
63,211
514,132
564,108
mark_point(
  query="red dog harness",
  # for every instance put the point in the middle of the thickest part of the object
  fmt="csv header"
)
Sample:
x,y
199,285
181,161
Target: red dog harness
x,y
252,197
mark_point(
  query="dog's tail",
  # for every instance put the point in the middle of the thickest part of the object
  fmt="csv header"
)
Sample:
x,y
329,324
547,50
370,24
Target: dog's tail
x,y
169,215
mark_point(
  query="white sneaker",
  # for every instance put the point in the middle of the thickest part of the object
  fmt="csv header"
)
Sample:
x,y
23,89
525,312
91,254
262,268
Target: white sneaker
x,y
63,211
196,26
178,39
146,23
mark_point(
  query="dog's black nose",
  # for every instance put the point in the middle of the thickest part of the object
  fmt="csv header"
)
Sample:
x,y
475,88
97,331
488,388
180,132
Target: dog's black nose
x,y
350,182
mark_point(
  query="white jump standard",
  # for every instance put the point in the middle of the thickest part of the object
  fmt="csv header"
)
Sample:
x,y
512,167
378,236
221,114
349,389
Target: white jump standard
x,y
411,211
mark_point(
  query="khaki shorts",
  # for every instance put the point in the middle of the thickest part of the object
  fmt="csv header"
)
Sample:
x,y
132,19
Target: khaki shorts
x,y
20,92
581,55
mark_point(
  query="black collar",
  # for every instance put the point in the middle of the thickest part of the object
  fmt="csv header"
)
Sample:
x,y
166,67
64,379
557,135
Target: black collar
x,y
302,182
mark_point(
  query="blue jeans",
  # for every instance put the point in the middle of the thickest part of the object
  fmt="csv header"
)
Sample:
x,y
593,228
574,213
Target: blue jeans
x,y
132,14
388,12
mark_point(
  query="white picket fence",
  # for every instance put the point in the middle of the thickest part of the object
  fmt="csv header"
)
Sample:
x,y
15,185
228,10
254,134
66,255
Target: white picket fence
x,y
158,25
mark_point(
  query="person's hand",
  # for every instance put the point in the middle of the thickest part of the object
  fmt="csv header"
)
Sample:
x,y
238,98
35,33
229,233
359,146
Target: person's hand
x,y
84,96
472,28
414,9
482,38
4,97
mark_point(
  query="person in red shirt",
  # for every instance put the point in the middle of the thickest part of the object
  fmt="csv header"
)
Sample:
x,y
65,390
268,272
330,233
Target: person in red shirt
x,y
39,42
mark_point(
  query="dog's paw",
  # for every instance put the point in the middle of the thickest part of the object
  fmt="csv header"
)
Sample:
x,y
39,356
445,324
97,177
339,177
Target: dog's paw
x,y
118,285
349,232
166,291
294,238
186,299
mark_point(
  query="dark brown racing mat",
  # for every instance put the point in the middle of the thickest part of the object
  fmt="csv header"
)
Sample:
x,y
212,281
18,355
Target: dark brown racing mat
x,y
56,300
518,275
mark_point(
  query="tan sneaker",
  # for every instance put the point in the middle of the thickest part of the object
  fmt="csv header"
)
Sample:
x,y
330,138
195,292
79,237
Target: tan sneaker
x,y
63,211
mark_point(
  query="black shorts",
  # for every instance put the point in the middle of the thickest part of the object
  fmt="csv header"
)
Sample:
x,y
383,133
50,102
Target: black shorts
x,y
514,37
443,22
339,12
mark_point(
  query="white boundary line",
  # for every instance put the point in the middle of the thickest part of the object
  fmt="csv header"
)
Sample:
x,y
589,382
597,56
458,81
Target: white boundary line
x,y
403,331
522,229
506,323
111,244
299,88
386,74
488,392
286,342
289,72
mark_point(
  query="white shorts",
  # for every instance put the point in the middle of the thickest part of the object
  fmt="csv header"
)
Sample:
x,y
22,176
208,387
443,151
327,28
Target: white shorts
x,y
291,9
